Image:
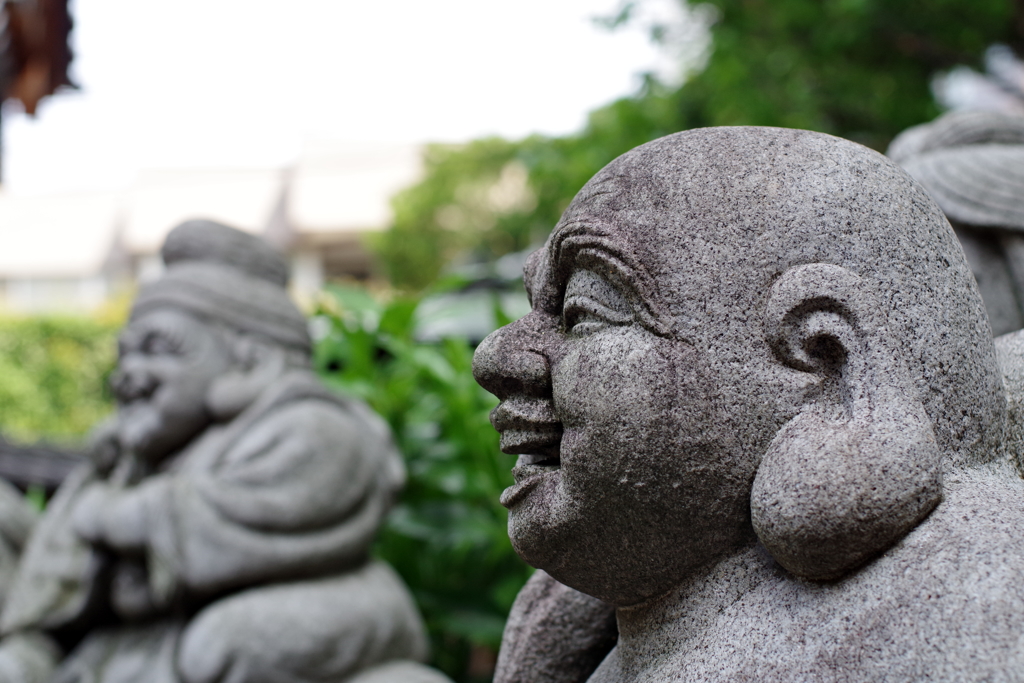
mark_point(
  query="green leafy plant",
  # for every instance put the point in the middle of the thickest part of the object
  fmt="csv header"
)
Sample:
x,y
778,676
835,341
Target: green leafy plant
x,y
53,373
447,537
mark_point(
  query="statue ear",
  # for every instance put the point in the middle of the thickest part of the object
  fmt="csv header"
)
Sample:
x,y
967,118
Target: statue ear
x,y
858,467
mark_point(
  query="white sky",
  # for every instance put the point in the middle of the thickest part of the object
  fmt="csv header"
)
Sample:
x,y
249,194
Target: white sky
x,y
192,83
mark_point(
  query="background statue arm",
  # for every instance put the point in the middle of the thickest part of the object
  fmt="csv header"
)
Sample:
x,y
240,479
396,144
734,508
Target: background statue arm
x,y
298,494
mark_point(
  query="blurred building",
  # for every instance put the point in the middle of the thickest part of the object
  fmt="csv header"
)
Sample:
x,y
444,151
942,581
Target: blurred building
x,y
74,252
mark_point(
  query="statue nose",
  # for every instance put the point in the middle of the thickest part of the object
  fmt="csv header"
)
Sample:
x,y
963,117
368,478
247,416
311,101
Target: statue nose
x,y
506,363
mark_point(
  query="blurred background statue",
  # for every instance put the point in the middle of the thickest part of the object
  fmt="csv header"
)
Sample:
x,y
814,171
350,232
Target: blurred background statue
x,y
222,529
972,163
28,657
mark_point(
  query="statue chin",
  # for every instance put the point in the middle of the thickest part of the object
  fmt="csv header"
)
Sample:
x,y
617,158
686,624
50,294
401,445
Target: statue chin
x,y
150,435
585,552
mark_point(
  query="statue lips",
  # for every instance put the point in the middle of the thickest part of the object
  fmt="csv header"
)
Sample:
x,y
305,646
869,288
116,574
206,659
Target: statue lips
x,y
527,477
529,429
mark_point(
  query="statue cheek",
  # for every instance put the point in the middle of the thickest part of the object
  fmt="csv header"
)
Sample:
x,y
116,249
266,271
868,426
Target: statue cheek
x,y
616,390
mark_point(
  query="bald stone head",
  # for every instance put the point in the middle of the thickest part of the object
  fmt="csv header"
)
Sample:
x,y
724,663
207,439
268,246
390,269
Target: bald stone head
x,y
739,333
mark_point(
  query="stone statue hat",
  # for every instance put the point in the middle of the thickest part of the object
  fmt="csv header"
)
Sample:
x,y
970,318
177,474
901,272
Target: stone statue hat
x,y
220,273
972,164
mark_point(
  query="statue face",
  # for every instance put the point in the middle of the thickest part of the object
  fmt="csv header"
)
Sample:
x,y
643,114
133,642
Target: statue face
x,y
626,480
168,360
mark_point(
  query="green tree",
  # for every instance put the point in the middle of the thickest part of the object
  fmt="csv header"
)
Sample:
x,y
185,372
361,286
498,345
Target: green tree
x,y
859,69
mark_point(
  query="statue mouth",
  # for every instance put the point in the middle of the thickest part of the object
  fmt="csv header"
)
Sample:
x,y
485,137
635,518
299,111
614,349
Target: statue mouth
x,y
530,465
541,457
528,425
544,441
539,453
530,470
529,429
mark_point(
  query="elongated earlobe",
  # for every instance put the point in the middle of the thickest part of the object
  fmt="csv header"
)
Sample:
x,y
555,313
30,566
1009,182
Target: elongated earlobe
x,y
858,467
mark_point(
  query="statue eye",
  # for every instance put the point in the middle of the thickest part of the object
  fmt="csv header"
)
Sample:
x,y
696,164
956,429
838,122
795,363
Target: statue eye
x,y
582,315
591,304
157,344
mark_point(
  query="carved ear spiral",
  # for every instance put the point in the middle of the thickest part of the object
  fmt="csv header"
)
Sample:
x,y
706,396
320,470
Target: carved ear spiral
x,y
858,467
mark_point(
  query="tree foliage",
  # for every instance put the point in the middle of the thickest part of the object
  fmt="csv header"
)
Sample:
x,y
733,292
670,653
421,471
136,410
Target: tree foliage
x,y
859,69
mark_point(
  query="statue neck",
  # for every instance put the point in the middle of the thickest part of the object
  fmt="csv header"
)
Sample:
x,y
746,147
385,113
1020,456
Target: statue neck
x,y
669,623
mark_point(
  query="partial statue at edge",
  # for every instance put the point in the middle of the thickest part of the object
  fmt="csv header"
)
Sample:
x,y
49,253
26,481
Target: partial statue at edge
x,y
221,531
972,164
761,428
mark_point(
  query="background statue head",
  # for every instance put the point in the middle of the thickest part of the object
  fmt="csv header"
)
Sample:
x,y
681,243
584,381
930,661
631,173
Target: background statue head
x,y
205,339
739,334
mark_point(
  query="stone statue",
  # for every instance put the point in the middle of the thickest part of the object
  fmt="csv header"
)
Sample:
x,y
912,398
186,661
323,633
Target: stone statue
x,y
972,164
221,532
758,413
25,657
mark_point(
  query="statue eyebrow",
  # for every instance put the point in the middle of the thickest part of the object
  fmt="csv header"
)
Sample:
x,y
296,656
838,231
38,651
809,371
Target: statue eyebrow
x,y
610,183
